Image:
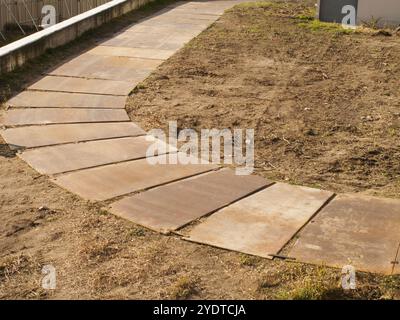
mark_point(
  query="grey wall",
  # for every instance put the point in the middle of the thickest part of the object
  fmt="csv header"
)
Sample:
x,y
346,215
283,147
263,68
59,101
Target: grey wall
x,y
386,11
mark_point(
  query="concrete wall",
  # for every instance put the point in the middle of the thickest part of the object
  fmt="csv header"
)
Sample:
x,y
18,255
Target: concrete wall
x,y
17,53
387,10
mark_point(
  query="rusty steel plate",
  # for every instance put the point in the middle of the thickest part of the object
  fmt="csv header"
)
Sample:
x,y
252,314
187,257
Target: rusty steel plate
x,y
16,117
174,20
171,37
95,86
163,41
149,43
51,160
131,52
142,36
197,10
137,40
108,67
172,206
40,99
169,30
352,230
263,223
206,5
114,180
37,136
186,15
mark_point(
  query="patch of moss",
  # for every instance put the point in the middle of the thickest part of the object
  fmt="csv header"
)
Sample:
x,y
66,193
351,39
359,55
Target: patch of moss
x,y
319,26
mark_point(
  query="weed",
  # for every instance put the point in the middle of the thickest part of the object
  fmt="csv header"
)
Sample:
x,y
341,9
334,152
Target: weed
x,y
103,212
307,14
249,261
268,281
258,4
372,23
317,287
392,283
319,26
304,17
99,251
137,232
184,288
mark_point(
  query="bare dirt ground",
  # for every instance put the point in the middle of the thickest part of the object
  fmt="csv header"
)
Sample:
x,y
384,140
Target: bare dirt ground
x,y
254,68
325,105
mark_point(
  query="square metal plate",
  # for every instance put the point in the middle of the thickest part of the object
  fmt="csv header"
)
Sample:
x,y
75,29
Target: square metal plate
x,y
38,136
263,223
40,99
114,180
353,230
170,207
51,160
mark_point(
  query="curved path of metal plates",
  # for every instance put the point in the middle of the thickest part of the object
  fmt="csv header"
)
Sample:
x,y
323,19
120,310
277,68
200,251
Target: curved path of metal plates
x,y
72,126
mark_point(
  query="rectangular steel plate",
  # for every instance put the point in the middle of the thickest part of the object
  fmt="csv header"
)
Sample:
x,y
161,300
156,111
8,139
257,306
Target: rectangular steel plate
x,y
263,223
108,68
95,86
114,180
353,230
131,52
149,43
169,207
55,115
69,157
37,136
168,30
40,99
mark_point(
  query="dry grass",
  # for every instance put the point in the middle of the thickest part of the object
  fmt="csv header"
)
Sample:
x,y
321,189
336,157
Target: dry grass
x,y
98,255
18,267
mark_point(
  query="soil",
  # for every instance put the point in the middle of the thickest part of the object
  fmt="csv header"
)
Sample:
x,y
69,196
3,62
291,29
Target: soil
x,y
254,68
325,105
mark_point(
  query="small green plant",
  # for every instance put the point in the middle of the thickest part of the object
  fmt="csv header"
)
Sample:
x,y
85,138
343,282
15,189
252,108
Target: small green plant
x,y
372,23
307,15
319,26
258,4
392,283
184,288
249,261
304,17
310,290
269,281
103,212
254,30
137,232
317,287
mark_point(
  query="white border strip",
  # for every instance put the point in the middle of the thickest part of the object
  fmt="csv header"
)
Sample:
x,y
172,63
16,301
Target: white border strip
x,y
57,27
